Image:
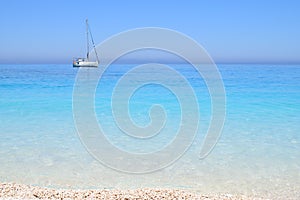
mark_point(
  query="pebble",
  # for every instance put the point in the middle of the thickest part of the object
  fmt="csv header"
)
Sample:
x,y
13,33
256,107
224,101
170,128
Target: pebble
x,y
9,191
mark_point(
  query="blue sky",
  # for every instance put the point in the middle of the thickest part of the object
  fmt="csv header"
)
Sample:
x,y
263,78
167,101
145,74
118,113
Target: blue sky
x,y
252,31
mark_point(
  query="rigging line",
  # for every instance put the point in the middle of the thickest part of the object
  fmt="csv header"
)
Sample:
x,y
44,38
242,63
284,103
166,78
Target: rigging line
x,y
93,42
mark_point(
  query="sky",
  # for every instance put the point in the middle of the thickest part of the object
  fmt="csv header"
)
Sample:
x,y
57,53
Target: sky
x,y
232,31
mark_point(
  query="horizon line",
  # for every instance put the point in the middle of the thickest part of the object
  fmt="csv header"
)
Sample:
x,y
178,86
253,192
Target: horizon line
x,y
159,62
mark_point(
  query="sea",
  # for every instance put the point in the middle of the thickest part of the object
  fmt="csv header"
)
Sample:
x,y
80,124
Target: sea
x,y
257,153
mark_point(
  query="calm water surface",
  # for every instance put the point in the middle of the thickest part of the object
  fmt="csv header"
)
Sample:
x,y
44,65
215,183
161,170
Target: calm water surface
x,y
258,152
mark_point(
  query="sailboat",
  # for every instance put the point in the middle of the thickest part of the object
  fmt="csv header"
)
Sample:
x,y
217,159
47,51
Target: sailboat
x,y
85,62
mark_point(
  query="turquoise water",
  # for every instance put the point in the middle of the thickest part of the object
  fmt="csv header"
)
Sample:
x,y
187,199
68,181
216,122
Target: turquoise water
x,y
258,152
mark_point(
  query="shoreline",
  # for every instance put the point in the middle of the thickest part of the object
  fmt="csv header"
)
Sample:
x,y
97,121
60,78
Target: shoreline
x,y
21,191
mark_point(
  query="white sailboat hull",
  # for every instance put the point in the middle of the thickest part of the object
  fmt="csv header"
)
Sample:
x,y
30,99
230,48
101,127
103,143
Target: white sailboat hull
x,y
85,64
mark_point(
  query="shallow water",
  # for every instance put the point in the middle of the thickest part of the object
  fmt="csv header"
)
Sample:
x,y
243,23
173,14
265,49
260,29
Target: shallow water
x,y
258,152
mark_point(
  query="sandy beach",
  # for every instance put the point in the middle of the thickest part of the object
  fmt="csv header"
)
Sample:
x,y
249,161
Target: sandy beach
x,y
18,191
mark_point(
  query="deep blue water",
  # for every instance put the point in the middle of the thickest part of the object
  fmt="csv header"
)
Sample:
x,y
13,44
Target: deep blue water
x,y
258,152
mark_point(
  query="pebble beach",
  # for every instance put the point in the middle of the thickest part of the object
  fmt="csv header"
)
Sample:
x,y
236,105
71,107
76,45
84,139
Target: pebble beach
x,y
19,191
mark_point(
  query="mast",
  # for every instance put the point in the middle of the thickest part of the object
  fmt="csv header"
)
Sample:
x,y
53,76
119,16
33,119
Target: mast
x,y
87,39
